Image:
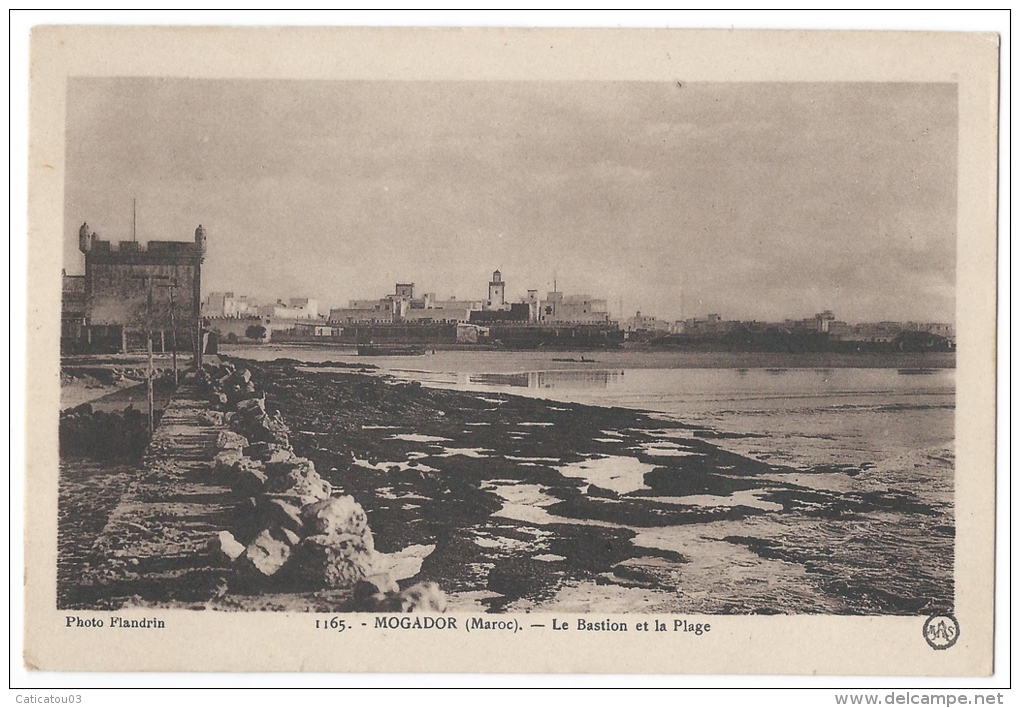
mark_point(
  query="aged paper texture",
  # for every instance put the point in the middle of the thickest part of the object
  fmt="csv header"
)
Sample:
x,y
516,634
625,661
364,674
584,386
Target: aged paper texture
x,y
638,351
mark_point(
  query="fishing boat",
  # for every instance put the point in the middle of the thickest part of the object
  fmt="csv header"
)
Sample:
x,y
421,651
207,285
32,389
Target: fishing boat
x,y
391,350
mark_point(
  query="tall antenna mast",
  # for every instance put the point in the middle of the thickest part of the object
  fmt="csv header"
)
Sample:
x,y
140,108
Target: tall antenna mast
x,y
134,220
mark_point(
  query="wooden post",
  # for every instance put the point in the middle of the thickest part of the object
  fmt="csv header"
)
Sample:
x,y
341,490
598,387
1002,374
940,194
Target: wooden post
x,y
198,343
173,332
148,280
148,307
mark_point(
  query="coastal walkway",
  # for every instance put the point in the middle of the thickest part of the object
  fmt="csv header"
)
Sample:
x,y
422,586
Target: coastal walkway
x,y
152,549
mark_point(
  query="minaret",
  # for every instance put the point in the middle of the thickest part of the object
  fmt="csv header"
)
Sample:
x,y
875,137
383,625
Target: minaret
x,y
497,294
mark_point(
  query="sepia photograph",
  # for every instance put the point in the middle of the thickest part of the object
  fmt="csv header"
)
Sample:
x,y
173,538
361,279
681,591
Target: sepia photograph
x,y
454,350
509,347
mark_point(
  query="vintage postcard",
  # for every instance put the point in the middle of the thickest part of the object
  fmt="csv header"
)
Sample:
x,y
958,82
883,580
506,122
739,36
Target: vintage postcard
x,y
416,350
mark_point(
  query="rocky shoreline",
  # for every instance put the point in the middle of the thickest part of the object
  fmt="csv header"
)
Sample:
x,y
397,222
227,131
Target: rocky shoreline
x,y
535,505
223,462
293,529
333,487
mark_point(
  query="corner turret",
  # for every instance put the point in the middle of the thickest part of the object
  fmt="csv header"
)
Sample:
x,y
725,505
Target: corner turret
x,y
200,239
85,239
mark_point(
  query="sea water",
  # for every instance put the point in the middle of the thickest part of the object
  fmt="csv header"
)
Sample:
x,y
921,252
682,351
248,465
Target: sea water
x,y
794,416
847,430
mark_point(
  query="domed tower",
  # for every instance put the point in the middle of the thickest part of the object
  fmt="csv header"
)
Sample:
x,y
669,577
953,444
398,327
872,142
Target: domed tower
x,y
497,293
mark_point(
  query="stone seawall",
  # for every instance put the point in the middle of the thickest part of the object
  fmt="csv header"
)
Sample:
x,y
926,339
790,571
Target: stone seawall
x,y
152,547
223,515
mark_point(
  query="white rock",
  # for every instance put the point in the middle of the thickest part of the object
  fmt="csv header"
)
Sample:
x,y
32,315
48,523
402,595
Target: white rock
x,y
229,440
402,564
266,554
224,546
336,515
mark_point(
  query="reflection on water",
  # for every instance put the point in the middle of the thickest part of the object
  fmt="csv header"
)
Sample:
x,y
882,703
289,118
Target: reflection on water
x,y
581,379
773,412
797,417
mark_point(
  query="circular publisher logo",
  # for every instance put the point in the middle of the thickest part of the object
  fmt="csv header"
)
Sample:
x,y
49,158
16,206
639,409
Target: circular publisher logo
x,y
941,631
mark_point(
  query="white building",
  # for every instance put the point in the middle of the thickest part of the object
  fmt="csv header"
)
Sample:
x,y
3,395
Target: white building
x,y
295,309
648,323
229,305
308,307
558,308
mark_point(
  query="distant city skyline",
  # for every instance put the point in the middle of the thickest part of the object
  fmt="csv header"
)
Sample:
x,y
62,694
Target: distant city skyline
x,y
754,201
326,306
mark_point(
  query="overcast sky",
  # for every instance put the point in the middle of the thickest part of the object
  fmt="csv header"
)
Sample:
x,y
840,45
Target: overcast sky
x,y
754,201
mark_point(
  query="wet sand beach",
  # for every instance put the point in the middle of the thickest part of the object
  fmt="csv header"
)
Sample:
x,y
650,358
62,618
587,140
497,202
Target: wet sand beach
x,y
538,505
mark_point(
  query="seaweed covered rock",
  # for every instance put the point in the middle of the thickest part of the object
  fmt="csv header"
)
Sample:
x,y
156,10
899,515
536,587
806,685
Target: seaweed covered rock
x,y
211,418
340,549
266,555
249,477
101,435
337,515
298,478
262,427
224,461
423,597
228,440
278,513
333,561
254,405
269,452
